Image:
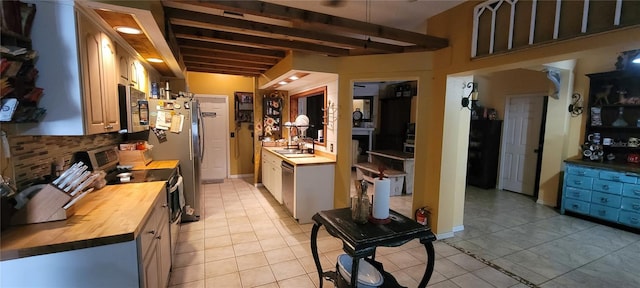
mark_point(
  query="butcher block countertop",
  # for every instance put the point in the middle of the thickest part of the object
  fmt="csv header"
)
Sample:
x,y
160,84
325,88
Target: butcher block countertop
x,y
113,214
157,164
318,158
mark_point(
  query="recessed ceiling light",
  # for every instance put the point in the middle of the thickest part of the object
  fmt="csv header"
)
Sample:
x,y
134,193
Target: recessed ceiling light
x,y
283,82
155,60
637,59
128,30
294,77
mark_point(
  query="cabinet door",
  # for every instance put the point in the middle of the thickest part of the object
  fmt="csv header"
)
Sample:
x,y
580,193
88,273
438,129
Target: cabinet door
x,y
90,48
164,252
133,72
110,85
123,68
151,279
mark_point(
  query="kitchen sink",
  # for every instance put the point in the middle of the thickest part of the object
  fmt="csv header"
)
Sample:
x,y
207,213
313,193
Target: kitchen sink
x,y
293,153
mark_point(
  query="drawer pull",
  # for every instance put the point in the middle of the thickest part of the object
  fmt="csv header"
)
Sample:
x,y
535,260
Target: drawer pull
x,y
604,200
614,177
576,194
637,192
634,220
575,206
152,232
602,212
635,207
605,187
577,182
581,173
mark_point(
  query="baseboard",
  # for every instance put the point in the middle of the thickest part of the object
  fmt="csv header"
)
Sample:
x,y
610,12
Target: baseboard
x,y
445,235
237,176
541,202
258,185
458,228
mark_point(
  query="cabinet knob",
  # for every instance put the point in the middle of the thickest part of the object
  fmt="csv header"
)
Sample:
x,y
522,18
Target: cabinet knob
x,y
165,205
158,237
152,232
108,127
577,182
604,200
574,206
614,177
635,207
605,187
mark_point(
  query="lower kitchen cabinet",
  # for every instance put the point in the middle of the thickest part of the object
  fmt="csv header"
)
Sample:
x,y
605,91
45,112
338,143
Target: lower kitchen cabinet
x,y
141,262
272,174
155,247
602,192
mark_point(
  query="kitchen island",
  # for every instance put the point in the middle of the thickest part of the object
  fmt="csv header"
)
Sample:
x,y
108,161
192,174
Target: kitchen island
x,y
308,189
106,242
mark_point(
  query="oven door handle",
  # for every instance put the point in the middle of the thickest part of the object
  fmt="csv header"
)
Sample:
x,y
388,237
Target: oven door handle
x,y
175,187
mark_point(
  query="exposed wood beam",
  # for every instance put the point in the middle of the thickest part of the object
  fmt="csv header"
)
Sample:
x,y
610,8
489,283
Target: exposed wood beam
x,y
216,55
268,53
270,29
222,70
218,36
271,10
225,62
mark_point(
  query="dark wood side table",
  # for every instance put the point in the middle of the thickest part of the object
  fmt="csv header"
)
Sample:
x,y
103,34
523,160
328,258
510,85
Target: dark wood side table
x,y
360,240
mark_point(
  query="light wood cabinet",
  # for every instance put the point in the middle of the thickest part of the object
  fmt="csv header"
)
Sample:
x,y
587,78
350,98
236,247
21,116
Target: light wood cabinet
x,y
155,246
99,84
272,174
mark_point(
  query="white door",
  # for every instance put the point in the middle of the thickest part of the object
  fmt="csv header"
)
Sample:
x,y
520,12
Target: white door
x,y
522,123
213,110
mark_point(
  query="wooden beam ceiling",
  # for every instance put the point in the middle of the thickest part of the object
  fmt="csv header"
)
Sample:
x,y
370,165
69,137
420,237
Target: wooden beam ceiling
x,y
248,37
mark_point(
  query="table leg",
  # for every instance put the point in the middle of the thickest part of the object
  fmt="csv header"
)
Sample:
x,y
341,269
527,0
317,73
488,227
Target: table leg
x,y
314,250
354,271
431,258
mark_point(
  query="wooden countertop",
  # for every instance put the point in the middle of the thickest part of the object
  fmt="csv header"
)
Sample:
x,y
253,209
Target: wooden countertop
x,y
110,215
617,165
157,164
318,158
393,154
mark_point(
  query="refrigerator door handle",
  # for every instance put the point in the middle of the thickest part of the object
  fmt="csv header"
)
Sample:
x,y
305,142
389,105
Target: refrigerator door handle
x,y
201,136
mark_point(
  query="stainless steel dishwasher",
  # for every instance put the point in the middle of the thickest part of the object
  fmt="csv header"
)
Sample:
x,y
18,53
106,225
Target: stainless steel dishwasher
x,y
287,186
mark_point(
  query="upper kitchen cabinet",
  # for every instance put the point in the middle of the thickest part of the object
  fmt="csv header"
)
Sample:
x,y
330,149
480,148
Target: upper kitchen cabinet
x,y
131,72
99,83
77,69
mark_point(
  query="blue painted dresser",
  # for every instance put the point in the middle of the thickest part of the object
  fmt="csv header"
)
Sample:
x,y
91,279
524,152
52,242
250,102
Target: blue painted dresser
x,y
602,192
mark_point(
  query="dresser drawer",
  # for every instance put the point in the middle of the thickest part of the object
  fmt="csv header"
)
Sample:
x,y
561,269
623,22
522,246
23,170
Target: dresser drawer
x,y
579,182
576,206
629,219
604,212
607,186
631,190
630,204
617,176
606,199
582,171
579,194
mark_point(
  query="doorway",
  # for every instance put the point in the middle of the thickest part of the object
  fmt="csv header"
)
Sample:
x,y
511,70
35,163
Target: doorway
x,y
214,166
383,112
519,161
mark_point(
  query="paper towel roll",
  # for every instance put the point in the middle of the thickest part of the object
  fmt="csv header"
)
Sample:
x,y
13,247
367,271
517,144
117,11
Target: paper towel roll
x,y
381,198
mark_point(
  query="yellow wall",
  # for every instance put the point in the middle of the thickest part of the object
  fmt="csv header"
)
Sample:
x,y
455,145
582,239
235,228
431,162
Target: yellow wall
x,y
218,84
563,132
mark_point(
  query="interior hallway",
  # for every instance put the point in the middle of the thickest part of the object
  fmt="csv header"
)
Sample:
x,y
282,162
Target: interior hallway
x,y
246,239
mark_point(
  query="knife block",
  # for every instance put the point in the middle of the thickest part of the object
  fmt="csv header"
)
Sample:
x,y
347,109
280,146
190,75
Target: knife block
x,y
45,206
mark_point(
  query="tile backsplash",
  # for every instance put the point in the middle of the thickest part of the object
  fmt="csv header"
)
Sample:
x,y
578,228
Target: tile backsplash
x,y
32,156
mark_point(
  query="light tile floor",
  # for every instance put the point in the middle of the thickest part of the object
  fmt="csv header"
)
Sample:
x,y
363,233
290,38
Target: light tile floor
x,y
246,239
544,247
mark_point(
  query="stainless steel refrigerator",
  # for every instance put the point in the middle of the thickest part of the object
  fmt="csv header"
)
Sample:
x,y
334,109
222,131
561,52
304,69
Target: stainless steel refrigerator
x,y
185,145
